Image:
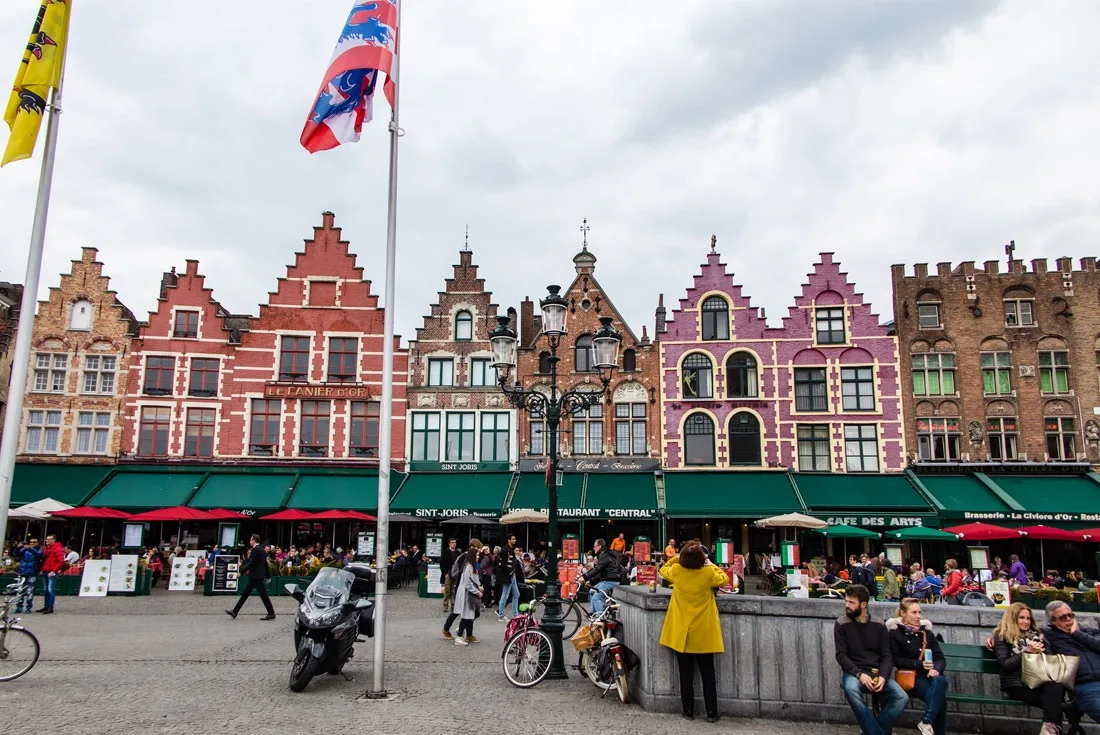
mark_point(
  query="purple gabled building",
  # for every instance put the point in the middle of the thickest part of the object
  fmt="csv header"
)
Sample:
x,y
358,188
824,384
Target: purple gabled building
x,y
820,393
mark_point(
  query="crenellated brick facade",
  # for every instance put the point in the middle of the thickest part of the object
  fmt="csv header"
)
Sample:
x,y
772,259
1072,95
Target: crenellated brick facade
x,y
11,296
627,424
452,386
1000,366
77,379
819,393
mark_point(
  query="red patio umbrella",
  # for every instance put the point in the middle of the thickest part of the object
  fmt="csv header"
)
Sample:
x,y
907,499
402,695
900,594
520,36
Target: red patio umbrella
x,y
1090,534
341,515
1049,533
983,532
86,511
177,513
290,514
222,514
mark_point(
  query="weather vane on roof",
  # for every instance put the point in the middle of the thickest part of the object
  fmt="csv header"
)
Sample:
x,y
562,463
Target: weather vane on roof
x,y
466,247
584,234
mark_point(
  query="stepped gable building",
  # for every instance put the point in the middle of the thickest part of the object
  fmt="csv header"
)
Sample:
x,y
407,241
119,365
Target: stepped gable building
x,y
626,427
11,295
459,420
1000,367
820,393
77,380
182,373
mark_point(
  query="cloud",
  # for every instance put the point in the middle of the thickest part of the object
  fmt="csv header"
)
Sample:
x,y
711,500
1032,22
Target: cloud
x,y
884,132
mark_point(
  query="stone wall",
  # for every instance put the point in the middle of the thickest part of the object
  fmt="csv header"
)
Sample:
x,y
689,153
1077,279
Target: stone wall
x,y
780,660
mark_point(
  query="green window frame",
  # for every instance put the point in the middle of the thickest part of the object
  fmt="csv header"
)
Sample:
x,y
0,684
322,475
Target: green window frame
x,y
813,448
425,437
997,373
496,433
441,372
933,373
1054,371
861,448
460,437
482,373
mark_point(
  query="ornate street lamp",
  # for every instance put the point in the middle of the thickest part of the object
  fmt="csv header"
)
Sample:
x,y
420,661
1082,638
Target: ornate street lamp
x,y
605,358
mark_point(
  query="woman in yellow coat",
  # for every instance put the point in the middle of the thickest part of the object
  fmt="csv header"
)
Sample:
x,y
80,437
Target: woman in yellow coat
x,y
691,625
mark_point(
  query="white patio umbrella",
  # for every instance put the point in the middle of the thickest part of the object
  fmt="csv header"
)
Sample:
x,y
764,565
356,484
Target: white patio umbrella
x,y
23,513
791,520
44,507
525,516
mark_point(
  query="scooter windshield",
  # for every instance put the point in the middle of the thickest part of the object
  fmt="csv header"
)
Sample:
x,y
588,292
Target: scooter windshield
x,y
330,588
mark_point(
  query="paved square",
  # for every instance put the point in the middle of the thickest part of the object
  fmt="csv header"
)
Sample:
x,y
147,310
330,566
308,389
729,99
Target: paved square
x,y
175,663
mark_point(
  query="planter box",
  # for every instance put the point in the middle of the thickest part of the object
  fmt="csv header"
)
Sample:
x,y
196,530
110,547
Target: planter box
x,y
280,583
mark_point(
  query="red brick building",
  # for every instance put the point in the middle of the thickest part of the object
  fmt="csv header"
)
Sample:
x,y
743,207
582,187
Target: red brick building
x,y
301,381
10,297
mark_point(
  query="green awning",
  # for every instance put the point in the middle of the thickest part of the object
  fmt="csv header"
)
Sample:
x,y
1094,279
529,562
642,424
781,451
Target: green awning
x,y
862,493
68,483
145,490
621,495
919,533
965,497
323,491
843,531
533,493
729,494
441,495
1053,494
243,491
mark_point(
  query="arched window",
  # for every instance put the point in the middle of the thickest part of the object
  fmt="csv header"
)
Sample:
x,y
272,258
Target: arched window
x,y
464,326
544,363
928,310
716,318
697,377
744,439
699,440
741,379
583,358
81,318
630,361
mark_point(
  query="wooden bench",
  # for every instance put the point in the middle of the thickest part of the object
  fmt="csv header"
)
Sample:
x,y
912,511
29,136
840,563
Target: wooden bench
x,y
971,659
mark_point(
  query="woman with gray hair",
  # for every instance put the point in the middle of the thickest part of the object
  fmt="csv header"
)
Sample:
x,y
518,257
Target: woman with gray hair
x,y
1065,636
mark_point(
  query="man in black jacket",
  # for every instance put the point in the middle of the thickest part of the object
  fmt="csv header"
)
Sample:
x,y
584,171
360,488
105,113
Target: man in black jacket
x,y
256,569
1067,637
604,576
446,561
863,651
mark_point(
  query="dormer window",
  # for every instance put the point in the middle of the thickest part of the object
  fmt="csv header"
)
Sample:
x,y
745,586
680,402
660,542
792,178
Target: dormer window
x,y
464,326
716,319
81,317
187,324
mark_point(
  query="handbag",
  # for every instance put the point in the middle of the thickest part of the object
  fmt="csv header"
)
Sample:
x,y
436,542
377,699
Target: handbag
x,y
907,678
1038,668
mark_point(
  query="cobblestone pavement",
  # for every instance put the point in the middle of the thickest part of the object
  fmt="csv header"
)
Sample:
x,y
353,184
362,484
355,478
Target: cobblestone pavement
x,y
175,663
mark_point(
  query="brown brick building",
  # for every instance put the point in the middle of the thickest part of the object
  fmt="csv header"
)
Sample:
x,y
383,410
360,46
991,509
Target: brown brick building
x,y
80,346
10,297
1000,367
628,422
458,416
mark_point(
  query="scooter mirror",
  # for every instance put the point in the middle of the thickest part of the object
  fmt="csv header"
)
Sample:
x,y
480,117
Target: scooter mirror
x,y
362,604
294,591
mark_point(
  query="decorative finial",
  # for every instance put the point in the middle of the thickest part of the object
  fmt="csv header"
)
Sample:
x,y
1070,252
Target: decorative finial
x,y
713,242
1010,249
584,235
466,247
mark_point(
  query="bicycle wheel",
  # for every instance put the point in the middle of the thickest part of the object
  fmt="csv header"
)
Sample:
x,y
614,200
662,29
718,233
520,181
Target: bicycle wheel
x,y
527,657
619,673
589,659
570,617
18,652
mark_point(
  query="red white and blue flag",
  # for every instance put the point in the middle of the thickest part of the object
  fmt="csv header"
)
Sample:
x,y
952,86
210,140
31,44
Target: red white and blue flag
x,y
365,50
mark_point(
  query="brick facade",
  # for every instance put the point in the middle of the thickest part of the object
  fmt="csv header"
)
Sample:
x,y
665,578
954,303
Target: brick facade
x,y
631,402
745,395
1000,366
452,386
80,347
11,296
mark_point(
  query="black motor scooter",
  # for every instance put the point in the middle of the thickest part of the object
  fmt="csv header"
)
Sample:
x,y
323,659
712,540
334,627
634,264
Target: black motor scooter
x,y
332,612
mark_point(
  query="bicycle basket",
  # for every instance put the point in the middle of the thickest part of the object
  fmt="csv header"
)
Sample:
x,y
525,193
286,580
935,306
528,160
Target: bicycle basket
x,y
587,637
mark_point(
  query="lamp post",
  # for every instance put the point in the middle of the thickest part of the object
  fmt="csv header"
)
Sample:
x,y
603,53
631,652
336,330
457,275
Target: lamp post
x,y
605,358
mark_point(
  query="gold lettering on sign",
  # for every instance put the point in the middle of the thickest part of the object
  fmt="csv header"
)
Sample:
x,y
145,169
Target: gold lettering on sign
x,y
278,390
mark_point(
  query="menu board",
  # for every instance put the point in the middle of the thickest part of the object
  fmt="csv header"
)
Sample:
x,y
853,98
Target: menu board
x,y
123,577
734,578
227,534
567,574
894,554
365,544
183,573
433,546
739,565
643,550
645,574
132,534
979,557
435,584
570,548
227,573
95,578
1000,592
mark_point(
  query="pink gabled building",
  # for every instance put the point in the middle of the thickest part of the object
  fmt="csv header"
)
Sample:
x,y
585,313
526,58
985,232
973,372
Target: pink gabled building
x,y
821,393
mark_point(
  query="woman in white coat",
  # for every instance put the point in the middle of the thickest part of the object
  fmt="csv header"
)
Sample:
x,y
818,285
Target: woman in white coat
x,y
468,594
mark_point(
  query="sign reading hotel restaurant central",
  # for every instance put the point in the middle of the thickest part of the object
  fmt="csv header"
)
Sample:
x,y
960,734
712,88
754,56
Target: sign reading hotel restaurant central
x,y
297,390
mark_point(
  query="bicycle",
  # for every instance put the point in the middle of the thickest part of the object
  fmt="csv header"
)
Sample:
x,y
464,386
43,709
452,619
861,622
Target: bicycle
x,y
527,653
602,641
574,612
17,644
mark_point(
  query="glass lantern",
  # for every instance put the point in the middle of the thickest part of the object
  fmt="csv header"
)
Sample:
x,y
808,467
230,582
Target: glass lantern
x,y
553,313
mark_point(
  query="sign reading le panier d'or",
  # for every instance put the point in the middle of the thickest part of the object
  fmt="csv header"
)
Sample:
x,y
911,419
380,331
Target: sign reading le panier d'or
x,y
300,390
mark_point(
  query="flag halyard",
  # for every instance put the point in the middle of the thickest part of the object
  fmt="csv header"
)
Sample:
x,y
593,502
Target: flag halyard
x,y
39,71
365,50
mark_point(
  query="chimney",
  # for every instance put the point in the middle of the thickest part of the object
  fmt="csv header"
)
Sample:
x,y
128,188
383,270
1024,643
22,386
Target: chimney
x,y
992,267
527,322
1065,265
168,280
661,314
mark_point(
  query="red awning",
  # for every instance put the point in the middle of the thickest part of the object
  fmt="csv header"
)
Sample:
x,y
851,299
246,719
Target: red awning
x,y
340,515
1049,533
86,511
222,514
1092,534
178,513
983,532
290,514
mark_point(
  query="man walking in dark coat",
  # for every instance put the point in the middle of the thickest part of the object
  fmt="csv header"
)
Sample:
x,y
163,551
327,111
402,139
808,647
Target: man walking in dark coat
x,y
256,569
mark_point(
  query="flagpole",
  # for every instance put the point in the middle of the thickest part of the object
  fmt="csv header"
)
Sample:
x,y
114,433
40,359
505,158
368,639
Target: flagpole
x,y
385,441
9,440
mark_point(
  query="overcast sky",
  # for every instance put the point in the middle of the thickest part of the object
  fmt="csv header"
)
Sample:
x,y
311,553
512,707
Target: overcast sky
x,y
885,132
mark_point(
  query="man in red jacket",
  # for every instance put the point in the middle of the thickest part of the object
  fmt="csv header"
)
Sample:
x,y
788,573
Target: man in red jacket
x,y
53,558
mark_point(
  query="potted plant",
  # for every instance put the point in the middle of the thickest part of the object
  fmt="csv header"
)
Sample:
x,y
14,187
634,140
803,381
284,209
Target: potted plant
x,y
1089,601
1044,595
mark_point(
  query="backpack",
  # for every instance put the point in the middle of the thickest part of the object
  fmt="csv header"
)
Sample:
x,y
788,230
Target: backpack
x,y
456,568
864,576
